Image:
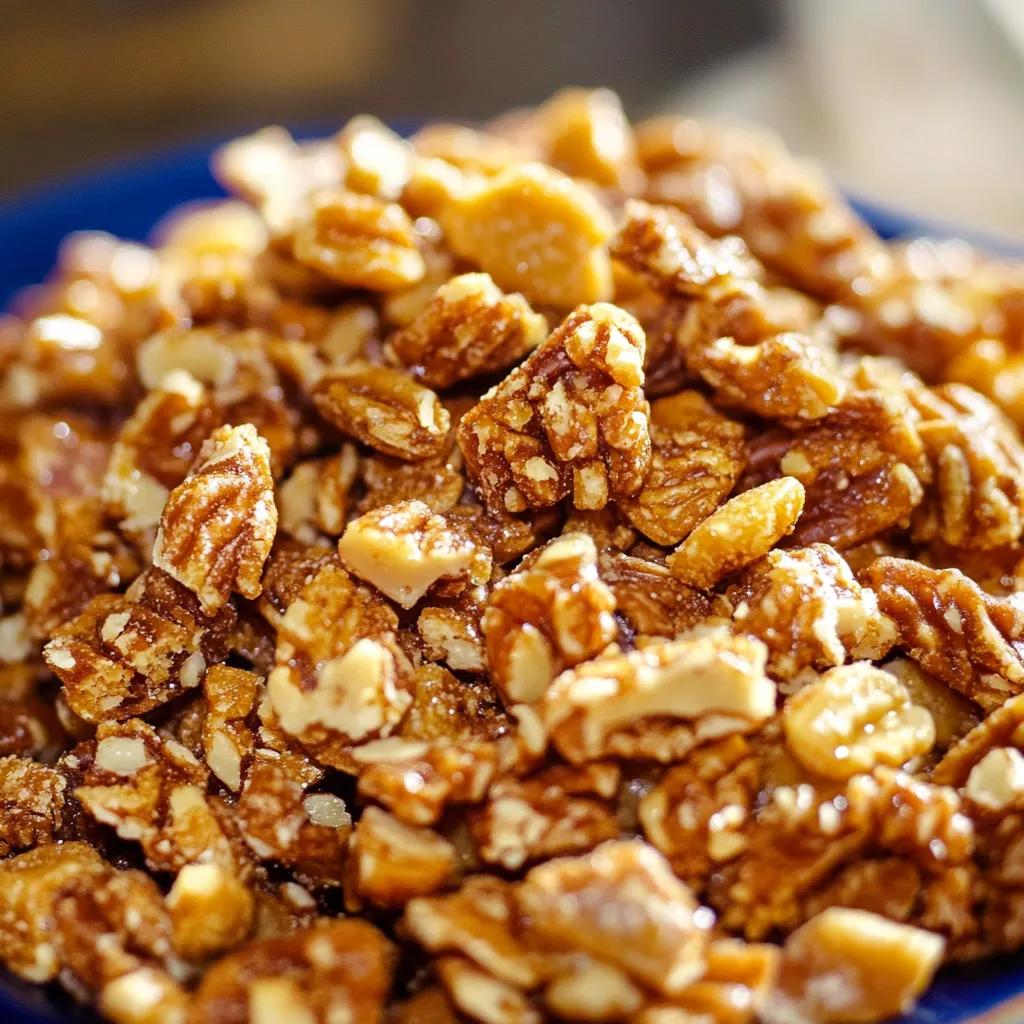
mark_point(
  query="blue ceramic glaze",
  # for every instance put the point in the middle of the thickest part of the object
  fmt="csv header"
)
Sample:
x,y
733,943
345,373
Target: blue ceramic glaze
x,y
127,201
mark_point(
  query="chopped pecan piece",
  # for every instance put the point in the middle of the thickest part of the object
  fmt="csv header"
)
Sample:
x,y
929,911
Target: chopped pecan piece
x,y
853,718
451,634
385,409
416,780
125,655
571,419
227,739
560,810
32,802
470,327
620,903
211,911
537,232
659,702
313,501
592,990
947,624
279,822
861,466
218,526
550,615
483,997
649,599
30,885
336,970
740,532
809,610
377,161
403,550
479,921
1004,727
977,498
849,965
359,241
152,791
339,677
697,456
953,714
391,862
784,377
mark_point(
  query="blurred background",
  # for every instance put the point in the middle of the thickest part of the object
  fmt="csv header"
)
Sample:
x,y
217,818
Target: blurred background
x,y
919,103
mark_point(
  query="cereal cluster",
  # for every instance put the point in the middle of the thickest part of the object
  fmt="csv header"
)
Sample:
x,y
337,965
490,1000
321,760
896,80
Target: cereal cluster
x,y
557,571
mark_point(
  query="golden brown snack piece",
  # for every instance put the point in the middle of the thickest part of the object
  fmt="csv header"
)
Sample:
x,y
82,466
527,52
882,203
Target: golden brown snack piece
x,y
571,419
359,241
537,232
558,811
126,654
853,718
808,608
875,967
977,497
218,526
340,678
468,328
660,702
738,533
32,802
391,862
549,615
404,550
697,456
313,501
335,970
952,628
384,409
861,467
211,911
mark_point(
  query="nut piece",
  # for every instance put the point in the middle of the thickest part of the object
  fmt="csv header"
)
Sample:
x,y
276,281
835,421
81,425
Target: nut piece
x,y
313,501
390,862
482,997
591,990
977,499
218,526
698,455
740,532
30,885
385,409
416,780
1004,727
853,718
378,162
785,377
211,911
550,615
470,327
479,921
852,966
333,684
279,822
861,466
659,702
589,136
571,419
144,996
126,654
360,242
403,550
32,801
537,232
946,623
810,611
227,739
996,782
338,970
551,814
622,904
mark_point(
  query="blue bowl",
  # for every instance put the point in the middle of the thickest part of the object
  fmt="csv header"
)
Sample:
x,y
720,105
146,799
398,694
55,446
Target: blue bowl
x,y
127,201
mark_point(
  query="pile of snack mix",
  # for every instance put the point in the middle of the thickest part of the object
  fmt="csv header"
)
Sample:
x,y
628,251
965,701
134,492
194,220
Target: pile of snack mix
x,y
563,571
